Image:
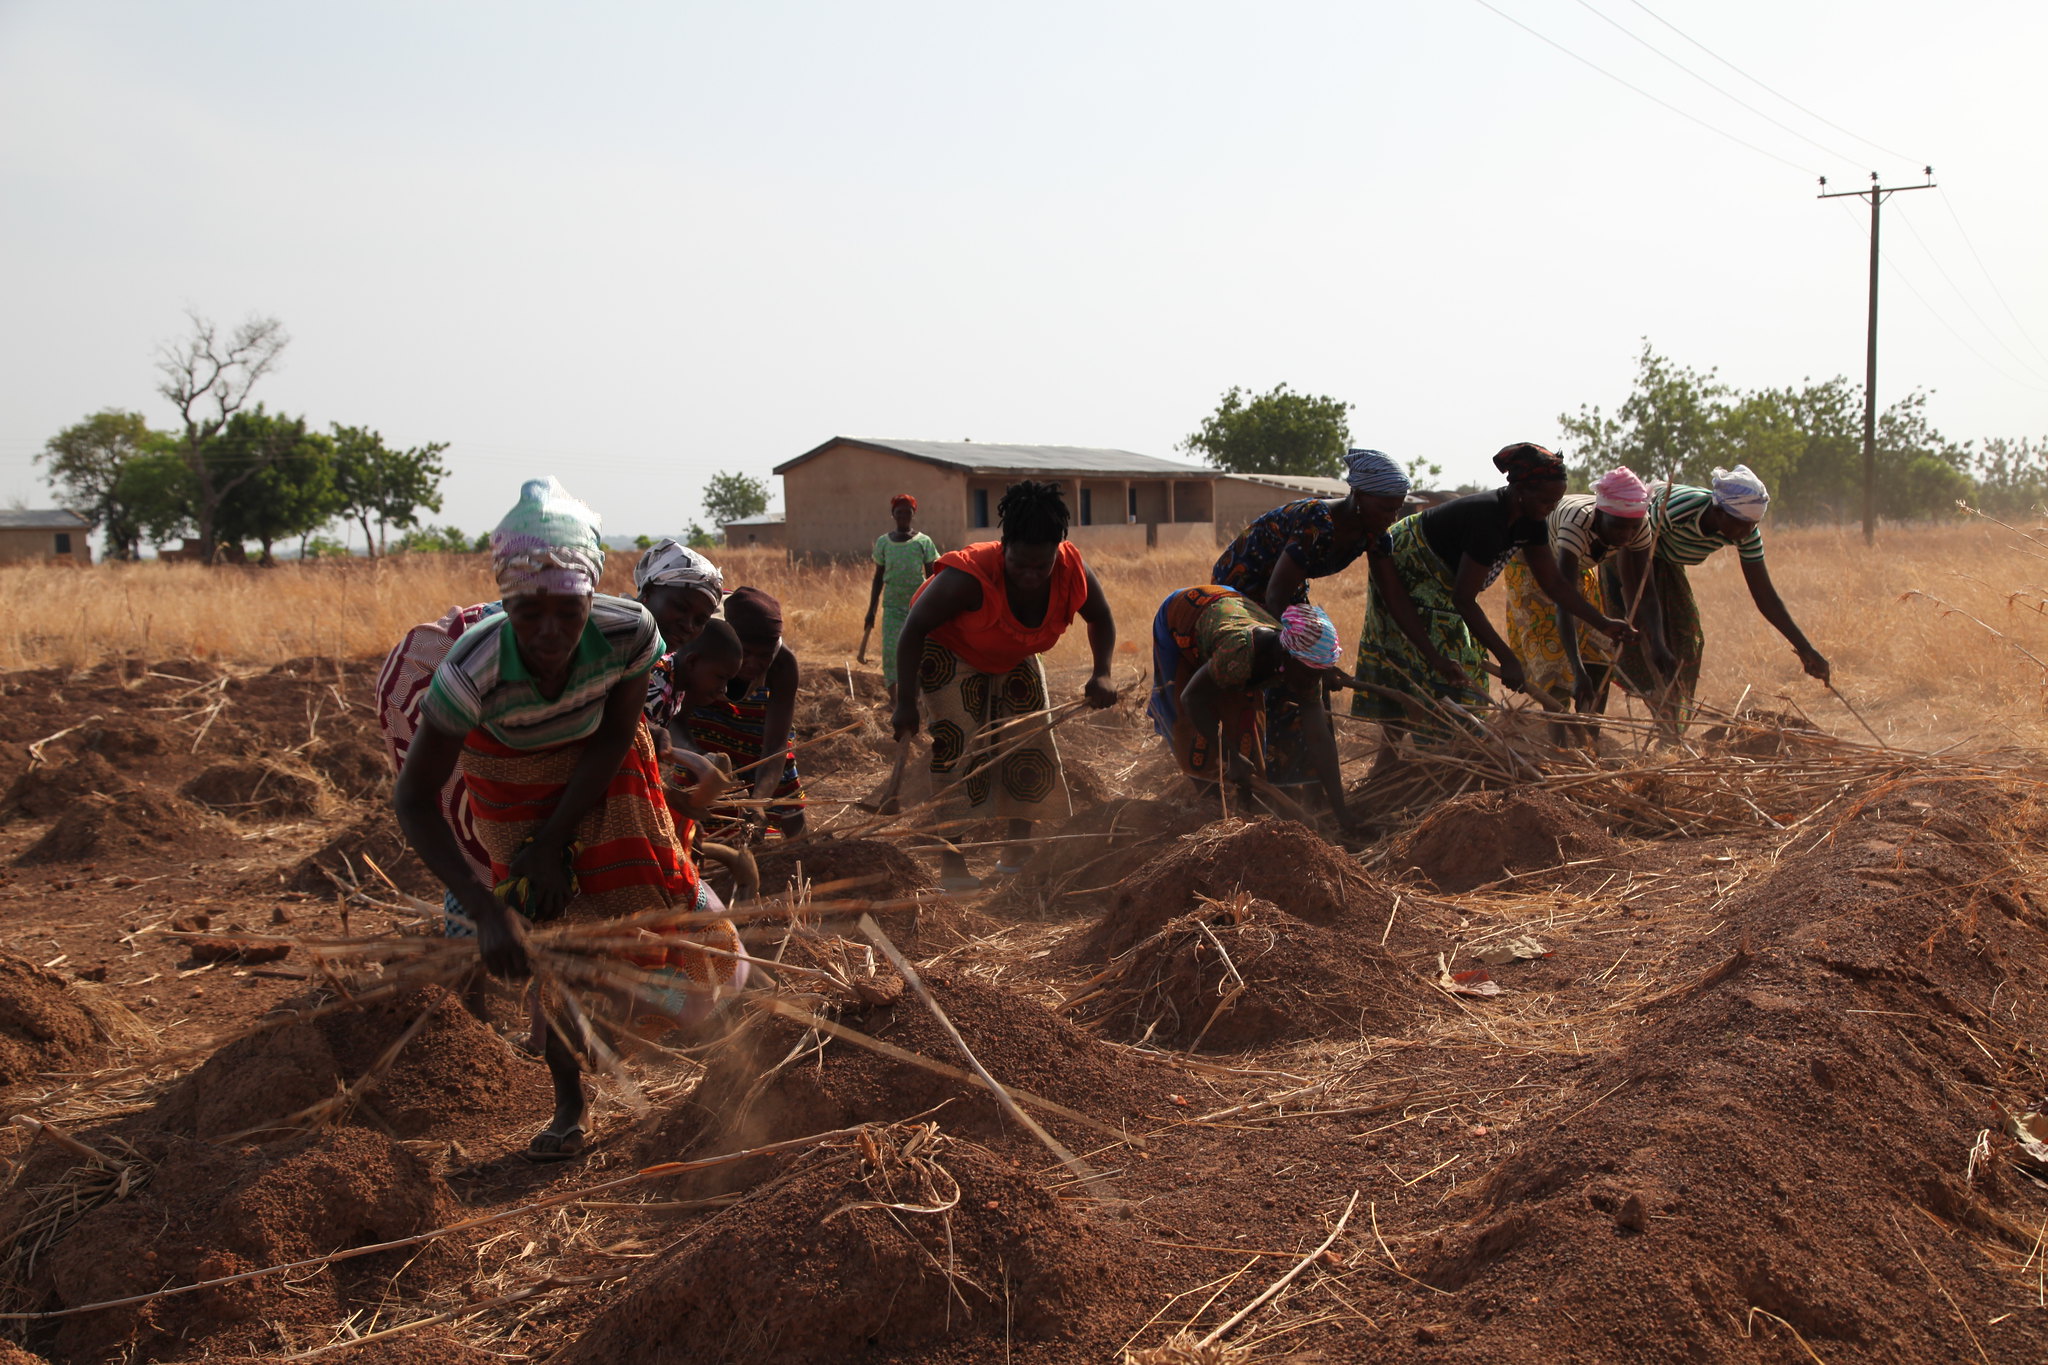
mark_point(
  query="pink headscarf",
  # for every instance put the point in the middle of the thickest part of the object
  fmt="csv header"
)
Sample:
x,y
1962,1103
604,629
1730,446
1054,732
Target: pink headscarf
x,y
1620,492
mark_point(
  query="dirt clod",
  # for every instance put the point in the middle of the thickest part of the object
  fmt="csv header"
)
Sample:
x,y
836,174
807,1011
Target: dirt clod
x,y
1474,840
254,790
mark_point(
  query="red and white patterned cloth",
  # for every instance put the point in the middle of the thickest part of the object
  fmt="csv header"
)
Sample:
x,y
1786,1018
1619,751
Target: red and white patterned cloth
x,y
401,684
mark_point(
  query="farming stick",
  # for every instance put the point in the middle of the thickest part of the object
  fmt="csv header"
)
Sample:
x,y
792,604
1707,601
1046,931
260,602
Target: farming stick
x,y
1303,1264
1081,1169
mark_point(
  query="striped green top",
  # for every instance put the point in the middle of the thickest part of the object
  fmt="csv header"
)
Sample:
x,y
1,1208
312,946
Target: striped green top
x,y
1680,538
484,684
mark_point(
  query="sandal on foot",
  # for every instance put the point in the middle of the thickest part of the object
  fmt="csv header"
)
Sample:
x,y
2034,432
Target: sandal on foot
x,y
556,1144
960,881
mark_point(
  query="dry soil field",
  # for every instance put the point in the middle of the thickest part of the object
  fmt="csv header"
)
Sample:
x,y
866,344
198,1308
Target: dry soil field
x,y
1733,1080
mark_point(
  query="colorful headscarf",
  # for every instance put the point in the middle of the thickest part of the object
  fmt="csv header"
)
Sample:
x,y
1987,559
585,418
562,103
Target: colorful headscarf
x,y
902,500
1621,493
1307,633
754,616
1526,462
1740,491
548,542
1374,473
672,564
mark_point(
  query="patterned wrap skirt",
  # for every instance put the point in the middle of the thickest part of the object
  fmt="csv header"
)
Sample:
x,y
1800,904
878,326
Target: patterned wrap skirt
x,y
1533,625
1387,658
628,860
1176,657
962,706
1682,632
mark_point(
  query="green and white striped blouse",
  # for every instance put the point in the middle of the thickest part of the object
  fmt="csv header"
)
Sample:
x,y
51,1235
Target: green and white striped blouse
x,y
1680,539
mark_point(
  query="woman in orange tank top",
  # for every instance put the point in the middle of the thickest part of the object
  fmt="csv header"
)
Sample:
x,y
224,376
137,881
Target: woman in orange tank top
x,y
968,661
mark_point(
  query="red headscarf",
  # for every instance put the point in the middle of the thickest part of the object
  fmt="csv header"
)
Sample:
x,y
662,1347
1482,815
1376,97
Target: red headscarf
x,y
903,500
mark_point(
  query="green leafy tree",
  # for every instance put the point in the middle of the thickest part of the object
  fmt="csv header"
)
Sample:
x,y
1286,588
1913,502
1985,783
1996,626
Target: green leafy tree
x,y
389,487
732,495
1282,432
1804,441
323,547
83,465
436,540
697,538
155,488
2012,477
207,377
291,491
643,543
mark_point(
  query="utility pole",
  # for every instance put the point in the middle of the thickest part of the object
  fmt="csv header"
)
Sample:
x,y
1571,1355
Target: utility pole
x,y
1876,195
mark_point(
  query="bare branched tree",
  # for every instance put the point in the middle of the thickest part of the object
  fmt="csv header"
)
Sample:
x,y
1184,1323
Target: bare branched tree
x,y
207,378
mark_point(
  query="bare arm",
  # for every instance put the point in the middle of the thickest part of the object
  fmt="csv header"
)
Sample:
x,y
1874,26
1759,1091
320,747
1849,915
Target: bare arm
x,y
1321,740
1203,698
1471,581
1568,631
1563,589
1765,594
1284,584
783,680
1386,581
874,595
1099,691
416,801
952,593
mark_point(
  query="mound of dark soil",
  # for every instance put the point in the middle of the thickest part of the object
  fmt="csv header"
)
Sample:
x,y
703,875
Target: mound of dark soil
x,y
53,789
1106,843
1284,979
135,821
1790,1130
11,1354
373,838
1276,860
809,1270
1473,840
1021,1042
822,712
455,1079
262,789
210,1211
830,860
352,764
49,1024
129,738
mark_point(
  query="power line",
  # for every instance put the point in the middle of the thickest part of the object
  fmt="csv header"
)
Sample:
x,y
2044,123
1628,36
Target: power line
x,y
1950,206
2022,361
1638,38
1719,132
1936,313
1875,146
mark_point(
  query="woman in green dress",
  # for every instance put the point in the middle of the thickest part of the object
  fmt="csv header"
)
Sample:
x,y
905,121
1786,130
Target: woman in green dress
x,y
904,559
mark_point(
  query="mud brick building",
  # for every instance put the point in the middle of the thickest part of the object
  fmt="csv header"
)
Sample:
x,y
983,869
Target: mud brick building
x,y
836,495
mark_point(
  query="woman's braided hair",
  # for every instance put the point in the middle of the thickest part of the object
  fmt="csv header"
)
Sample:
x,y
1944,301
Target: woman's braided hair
x,y
1034,512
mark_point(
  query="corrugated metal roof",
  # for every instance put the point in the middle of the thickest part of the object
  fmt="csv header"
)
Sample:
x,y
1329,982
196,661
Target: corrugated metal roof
x,y
980,457
42,519
764,519
1299,483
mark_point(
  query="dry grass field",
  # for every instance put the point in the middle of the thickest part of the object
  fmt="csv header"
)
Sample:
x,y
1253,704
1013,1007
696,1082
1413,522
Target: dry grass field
x,y
1922,674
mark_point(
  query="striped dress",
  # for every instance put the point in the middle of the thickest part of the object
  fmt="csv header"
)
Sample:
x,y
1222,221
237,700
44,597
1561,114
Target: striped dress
x,y
1675,511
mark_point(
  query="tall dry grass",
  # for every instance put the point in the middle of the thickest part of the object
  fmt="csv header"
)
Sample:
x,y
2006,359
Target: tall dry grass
x,y
1921,674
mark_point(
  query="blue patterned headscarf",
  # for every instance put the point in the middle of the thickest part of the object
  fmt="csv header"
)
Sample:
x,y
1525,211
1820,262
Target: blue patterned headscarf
x,y
1740,491
1374,473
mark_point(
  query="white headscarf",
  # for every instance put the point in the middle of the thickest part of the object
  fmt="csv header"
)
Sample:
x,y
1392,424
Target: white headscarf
x,y
1740,491
672,564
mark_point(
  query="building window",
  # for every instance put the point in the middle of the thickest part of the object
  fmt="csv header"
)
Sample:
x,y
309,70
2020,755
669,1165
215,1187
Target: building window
x,y
981,507
1087,507
63,542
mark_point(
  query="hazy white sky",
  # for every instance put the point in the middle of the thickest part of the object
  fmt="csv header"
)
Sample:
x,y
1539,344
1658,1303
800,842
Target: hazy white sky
x,y
634,244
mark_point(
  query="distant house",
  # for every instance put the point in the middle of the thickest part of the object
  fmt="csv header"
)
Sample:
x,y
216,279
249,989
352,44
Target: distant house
x,y
836,495
765,529
45,534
